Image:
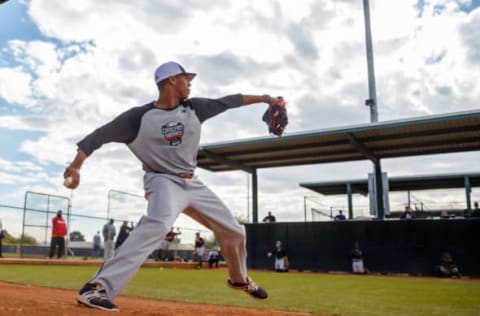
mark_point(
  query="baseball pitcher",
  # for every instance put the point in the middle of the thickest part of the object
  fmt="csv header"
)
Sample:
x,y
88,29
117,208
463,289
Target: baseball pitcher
x,y
164,135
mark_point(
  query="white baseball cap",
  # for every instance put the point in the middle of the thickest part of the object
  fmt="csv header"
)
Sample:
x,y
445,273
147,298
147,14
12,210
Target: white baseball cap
x,y
170,69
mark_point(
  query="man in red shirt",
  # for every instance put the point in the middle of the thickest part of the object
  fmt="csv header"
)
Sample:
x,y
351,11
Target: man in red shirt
x,y
59,231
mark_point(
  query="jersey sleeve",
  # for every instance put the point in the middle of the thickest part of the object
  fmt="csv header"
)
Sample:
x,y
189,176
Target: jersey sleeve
x,y
123,129
206,108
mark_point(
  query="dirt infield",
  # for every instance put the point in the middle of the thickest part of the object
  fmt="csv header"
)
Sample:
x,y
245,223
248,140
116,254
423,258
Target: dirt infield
x,y
19,299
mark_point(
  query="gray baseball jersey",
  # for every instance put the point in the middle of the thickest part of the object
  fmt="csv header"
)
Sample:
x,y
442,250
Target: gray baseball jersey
x,y
166,142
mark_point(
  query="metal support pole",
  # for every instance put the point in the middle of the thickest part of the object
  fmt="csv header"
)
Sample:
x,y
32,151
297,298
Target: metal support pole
x,y
22,237
372,102
248,197
69,223
350,202
305,208
468,191
408,198
372,98
46,219
108,204
379,189
254,196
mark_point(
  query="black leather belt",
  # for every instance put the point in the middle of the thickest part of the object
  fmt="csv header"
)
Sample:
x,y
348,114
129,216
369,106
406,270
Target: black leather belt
x,y
185,175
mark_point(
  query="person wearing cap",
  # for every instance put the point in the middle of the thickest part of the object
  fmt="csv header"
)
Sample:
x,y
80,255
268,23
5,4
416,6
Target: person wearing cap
x,y
340,216
213,257
281,258
123,234
165,253
2,235
269,218
199,249
164,135
476,210
109,232
59,231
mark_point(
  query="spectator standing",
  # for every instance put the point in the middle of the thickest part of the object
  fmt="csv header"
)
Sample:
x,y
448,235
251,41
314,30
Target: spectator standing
x,y
199,249
281,259
476,210
2,235
109,233
357,258
340,216
269,218
408,214
59,231
97,241
123,233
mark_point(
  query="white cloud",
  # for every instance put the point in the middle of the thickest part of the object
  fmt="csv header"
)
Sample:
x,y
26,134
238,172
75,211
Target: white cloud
x,y
100,56
15,85
22,122
21,173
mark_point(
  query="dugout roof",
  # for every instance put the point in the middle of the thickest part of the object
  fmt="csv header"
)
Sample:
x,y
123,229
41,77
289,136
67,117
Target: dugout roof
x,y
426,182
446,133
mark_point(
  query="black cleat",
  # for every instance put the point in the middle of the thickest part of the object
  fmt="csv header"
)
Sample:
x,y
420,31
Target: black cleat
x,y
95,296
251,288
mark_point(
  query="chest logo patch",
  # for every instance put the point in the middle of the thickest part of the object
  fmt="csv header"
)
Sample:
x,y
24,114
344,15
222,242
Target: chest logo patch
x,y
173,132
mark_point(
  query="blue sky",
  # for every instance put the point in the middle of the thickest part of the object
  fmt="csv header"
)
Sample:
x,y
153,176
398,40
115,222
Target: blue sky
x,y
16,23
66,70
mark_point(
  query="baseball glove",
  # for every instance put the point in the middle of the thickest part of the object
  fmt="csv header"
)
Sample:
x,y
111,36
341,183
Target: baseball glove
x,y
276,118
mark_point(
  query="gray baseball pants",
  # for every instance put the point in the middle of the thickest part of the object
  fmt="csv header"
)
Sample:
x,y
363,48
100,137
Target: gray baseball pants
x,y
108,248
168,196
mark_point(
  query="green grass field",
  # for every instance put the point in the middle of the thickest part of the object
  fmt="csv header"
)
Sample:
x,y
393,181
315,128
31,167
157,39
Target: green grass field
x,y
344,295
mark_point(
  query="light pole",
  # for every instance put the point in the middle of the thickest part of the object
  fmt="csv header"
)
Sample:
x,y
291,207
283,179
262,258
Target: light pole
x,y
372,94
372,103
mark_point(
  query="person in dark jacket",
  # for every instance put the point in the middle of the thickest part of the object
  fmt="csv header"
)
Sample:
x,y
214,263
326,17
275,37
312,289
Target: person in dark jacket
x,y
357,259
281,259
123,234
408,214
448,267
2,235
476,210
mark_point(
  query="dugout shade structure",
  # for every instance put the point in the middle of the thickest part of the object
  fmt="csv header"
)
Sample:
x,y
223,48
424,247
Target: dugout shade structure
x,y
389,246
438,134
407,184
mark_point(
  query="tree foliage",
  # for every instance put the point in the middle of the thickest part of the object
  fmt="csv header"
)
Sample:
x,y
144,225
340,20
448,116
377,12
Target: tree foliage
x,y
12,240
241,218
76,236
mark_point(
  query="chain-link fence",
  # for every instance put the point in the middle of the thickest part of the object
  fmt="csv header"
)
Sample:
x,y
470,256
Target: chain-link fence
x,y
29,227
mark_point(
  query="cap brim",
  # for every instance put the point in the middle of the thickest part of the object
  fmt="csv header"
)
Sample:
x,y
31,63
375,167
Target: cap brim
x,y
190,75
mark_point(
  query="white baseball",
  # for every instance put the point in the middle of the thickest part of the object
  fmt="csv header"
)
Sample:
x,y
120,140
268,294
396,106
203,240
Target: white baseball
x,y
68,181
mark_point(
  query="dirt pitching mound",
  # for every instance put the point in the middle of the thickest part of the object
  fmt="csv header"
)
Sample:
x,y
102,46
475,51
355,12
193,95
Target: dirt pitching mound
x,y
17,299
